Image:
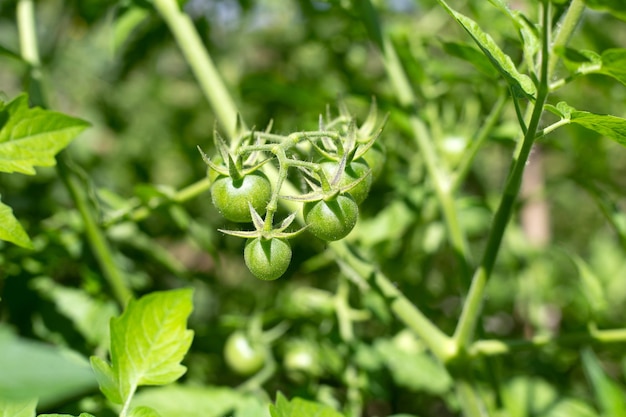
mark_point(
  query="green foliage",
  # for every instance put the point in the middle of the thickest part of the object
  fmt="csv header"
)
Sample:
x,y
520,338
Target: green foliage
x,y
148,342
301,408
486,259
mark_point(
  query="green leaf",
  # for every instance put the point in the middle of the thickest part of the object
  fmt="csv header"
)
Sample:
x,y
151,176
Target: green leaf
x,y
65,415
89,315
614,64
148,342
24,408
301,408
591,286
609,395
413,367
32,369
189,401
143,411
11,230
615,7
31,137
501,61
612,127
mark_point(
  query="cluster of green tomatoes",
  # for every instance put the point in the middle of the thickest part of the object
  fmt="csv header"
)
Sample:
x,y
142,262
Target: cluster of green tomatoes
x,y
249,175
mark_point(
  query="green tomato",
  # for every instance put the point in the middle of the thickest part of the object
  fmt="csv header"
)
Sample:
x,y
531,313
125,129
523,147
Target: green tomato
x,y
267,259
333,219
375,158
231,197
302,360
242,356
353,171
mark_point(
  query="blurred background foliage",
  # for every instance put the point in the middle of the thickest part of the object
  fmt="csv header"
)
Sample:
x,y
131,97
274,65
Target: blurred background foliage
x,y
116,65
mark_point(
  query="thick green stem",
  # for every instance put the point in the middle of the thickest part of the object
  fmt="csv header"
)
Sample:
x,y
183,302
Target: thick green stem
x,y
473,304
95,237
565,30
437,341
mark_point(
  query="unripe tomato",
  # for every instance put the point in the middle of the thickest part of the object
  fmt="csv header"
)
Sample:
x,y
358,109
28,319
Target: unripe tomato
x,y
267,259
231,197
353,171
242,356
302,360
333,219
375,158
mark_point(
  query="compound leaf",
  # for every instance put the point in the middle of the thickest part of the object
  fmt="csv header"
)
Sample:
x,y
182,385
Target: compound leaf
x,y
614,7
31,137
11,230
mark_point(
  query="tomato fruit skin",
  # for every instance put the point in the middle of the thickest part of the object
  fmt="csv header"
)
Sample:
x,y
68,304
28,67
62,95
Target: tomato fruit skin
x,y
231,197
333,219
353,171
267,259
242,356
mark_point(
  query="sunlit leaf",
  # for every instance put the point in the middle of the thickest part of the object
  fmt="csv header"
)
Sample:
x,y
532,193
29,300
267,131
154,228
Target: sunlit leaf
x,y
189,401
298,407
501,61
31,137
11,230
24,408
148,342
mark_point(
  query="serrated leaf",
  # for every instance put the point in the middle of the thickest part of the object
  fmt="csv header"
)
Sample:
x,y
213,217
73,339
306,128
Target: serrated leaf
x,y
501,61
301,408
31,137
25,408
11,230
107,380
614,64
148,342
33,369
612,127
190,401
143,411
608,394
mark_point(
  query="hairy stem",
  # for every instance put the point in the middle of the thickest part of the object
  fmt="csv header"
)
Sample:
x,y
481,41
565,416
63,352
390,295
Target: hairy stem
x,y
95,236
473,304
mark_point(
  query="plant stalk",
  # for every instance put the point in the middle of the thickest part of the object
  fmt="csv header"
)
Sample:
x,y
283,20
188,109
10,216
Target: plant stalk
x,y
97,241
473,304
